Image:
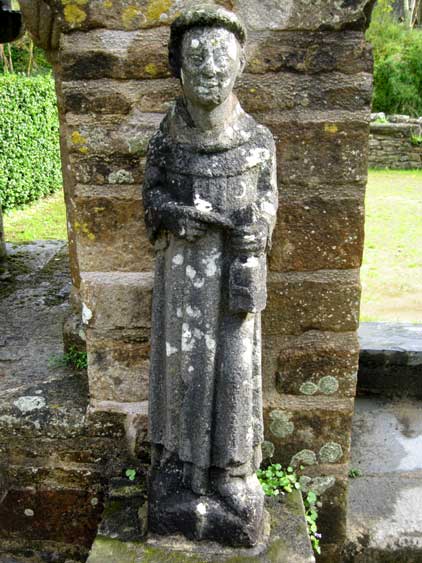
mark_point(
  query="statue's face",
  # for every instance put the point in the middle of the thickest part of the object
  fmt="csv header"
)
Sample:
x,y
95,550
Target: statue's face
x,y
210,65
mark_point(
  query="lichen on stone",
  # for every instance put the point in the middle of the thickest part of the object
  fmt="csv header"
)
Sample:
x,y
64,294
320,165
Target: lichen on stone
x,y
328,385
330,452
281,425
267,449
74,15
308,388
158,7
304,457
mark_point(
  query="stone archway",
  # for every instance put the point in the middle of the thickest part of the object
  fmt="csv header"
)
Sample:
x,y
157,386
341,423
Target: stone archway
x,y
309,80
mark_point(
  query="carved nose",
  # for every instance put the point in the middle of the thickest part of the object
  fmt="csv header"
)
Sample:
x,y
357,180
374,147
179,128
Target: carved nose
x,y
209,68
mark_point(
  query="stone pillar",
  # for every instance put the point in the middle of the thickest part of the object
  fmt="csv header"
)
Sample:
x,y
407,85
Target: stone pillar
x,y
309,80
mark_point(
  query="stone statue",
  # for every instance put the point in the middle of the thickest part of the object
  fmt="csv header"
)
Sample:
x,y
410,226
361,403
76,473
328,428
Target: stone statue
x,y
210,200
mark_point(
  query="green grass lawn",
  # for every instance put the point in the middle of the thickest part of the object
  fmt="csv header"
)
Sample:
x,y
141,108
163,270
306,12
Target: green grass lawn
x,y
392,265
45,219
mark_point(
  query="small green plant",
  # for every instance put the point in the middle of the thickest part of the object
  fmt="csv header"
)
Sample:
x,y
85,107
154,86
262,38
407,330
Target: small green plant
x,y
310,501
275,481
381,120
76,358
354,472
416,140
130,474
73,358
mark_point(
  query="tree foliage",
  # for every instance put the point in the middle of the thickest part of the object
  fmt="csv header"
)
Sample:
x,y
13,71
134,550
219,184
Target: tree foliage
x,y
397,63
29,139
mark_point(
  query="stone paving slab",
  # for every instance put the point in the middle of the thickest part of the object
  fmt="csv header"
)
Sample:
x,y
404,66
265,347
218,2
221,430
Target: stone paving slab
x,y
384,513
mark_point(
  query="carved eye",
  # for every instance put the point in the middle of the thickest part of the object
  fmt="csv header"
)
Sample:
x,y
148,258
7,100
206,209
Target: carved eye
x,y
196,59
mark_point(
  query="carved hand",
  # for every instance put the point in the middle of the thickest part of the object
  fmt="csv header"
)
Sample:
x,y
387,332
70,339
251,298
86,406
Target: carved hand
x,y
191,223
250,239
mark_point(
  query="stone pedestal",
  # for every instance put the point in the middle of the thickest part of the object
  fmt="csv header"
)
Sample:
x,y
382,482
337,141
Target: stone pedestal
x,y
285,540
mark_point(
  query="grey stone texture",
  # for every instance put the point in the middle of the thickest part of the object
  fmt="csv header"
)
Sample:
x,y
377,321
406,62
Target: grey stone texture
x,y
114,86
390,363
287,540
395,142
384,517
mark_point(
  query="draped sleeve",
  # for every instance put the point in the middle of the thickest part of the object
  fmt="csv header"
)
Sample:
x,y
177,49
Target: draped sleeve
x,y
267,190
155,188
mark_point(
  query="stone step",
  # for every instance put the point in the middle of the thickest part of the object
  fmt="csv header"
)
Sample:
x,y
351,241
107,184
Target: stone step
x,y
384,510
390,362
287,542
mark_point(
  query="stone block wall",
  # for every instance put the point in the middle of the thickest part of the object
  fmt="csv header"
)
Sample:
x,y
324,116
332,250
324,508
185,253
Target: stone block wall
x,y
309,80
395,142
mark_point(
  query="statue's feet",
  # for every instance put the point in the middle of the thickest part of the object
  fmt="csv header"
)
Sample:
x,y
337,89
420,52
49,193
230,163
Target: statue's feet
x,y
244,495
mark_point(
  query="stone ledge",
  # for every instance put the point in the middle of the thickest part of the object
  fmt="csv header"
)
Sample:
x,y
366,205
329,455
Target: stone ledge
x,y
390,361
288,542
116,299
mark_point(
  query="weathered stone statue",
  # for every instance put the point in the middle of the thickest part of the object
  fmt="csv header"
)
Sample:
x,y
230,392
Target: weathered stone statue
x,y
210,201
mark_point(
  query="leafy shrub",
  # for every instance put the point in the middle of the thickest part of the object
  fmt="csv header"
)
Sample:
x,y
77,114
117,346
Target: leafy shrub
x,y
277,481
397,63
29,139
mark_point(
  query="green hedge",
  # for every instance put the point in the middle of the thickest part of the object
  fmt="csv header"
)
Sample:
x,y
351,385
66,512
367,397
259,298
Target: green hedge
x,y
397,63
29,139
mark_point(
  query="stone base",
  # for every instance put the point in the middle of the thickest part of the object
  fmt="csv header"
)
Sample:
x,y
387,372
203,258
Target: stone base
x,y
286,541
174,509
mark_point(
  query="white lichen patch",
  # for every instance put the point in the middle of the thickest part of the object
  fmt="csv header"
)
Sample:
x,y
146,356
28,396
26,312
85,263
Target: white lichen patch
x,y
257,156
198,283
210,343
210,263
178,260
179,313
252,262
268,208
193,312
170,350
190,337
86,314
190,272
201,508
202,204
194,43
30,403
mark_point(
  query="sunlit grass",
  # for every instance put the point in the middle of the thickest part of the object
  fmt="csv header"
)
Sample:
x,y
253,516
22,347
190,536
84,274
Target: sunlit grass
x,y
392,266
45,219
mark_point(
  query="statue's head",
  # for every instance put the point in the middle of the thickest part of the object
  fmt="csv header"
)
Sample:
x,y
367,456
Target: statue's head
x,y
206,53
